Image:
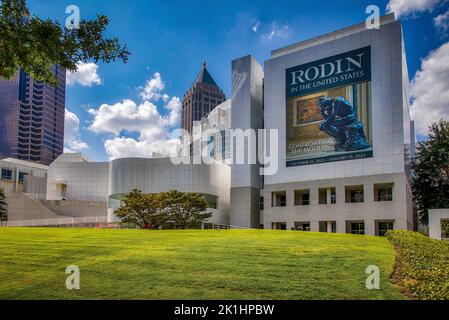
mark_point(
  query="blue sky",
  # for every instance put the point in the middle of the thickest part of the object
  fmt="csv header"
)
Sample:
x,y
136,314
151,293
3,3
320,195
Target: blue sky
x,y
173,38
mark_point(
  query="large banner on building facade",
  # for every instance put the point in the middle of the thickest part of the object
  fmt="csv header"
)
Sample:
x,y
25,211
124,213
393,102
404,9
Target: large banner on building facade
x,y
329,109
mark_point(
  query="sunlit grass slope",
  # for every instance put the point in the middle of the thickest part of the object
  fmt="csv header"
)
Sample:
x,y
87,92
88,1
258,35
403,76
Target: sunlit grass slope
x,y
133,264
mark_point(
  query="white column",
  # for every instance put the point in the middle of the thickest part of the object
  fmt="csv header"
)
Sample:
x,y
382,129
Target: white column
x,y
329,196
329,227
435,224
16,184
370,228
341,226
290,225
314,226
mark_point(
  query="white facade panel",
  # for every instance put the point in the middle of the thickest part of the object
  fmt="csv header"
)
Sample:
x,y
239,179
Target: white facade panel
x,y
389,112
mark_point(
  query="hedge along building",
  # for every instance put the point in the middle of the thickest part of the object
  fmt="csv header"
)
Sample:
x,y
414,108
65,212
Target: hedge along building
x,y
340,103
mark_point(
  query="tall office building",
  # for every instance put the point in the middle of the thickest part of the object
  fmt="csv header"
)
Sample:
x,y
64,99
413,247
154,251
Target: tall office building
x,y
202,98
32,118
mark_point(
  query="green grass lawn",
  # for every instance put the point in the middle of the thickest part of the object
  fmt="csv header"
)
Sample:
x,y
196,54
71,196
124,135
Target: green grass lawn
x,y
135,264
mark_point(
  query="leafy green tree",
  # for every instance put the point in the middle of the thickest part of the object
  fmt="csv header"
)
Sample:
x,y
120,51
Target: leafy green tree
x,y
173,209
35,44
3,206
185,210
144,210
430,180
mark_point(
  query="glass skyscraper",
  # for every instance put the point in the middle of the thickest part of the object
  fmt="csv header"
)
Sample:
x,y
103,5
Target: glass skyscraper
x,y
32,118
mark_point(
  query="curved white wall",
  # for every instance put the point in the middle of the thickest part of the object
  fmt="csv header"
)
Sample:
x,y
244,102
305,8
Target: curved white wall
x,y
104,182
159,175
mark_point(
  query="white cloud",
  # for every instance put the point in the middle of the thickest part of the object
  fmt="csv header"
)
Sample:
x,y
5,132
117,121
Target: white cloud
x,y
86,75
430,90
276,31
124,116
153,127
256,26
122,147
442,22
244,22
407,7
72,139
174,105
153,89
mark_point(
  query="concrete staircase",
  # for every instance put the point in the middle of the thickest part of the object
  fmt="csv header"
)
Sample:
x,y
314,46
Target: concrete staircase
x,y
76,209
23,207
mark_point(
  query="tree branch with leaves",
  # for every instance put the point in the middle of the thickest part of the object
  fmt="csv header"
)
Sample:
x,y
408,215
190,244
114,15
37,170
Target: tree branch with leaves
x,y
172,209
35,45
3,206
143,210
185,210
430,180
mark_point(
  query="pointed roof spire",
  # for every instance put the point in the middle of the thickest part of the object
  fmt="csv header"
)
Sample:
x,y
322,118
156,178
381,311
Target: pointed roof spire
x,y
205,77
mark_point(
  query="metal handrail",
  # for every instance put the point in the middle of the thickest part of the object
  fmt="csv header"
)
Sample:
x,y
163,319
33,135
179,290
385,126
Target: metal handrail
x,y
227,227
55,222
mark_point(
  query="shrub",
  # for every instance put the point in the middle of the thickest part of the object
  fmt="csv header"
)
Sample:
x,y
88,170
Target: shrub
x,y
3,206
423,268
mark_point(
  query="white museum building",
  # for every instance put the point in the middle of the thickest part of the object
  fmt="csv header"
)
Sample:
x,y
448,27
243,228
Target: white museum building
x,y
340,105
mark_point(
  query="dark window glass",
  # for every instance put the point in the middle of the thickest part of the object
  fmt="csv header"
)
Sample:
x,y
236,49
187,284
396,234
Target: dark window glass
x,y
358,228
357,196
385,194
6,174
22,177
384,227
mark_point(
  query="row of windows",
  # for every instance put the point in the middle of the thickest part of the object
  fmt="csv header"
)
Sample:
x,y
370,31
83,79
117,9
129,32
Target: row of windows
x,y
28,158
28,112
353,194
7,175
26,118
53,138
200,94
27,107
26,146
352,227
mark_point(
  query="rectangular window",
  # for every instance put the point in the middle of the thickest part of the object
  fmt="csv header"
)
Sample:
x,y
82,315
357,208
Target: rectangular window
x,y
445,229
354,194
22,177
322,194
327,196
383,192
279,199
302,226
333,196
261,203
6,174
384,226
302,197
358,228
279,226
328,226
